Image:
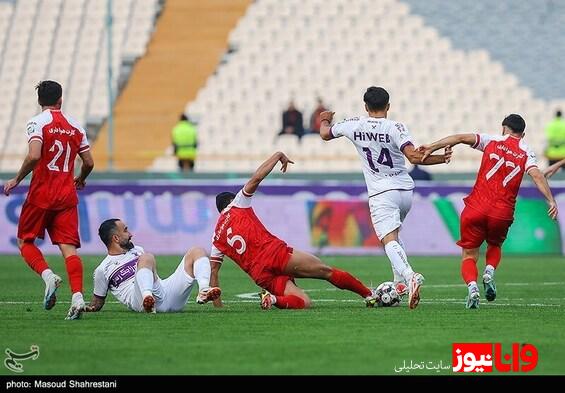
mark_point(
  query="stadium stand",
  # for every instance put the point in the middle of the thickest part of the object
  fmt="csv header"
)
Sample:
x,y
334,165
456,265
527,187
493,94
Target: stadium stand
x,y
64,40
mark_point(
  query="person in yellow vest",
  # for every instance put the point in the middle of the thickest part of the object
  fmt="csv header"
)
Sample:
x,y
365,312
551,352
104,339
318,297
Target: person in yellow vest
x,y
185,143
555,132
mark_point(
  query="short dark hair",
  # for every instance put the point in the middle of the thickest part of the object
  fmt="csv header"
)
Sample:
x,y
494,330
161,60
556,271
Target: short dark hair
x,y
48,93
107,229
515,122
183,117
223,199
376,98
558,113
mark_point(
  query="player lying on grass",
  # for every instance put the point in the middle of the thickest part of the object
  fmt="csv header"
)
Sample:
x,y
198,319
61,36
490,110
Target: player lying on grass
x,y
269,261
489,208
131,275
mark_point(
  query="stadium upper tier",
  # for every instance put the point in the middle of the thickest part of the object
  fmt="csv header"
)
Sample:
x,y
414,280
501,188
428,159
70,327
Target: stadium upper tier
x,y
63,40
335,49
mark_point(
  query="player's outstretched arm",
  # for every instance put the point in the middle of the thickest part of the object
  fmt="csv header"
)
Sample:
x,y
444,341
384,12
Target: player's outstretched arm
x,y
30,161
452,140
416,156
326,118
541,184
265,169
215,281
96,304
553,169
85,169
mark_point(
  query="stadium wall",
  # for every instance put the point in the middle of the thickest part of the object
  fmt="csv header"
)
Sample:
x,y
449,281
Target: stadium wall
x,y
322,217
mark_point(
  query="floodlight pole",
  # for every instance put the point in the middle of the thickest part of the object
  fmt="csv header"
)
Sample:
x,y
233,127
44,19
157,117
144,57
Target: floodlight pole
x,y
109,22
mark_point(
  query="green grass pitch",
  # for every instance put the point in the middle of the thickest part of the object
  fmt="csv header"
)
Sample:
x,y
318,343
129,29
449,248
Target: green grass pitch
x,y
338,335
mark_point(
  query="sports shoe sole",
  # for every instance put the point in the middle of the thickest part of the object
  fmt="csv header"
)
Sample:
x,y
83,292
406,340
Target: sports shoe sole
x,y
490,290
415,298
211,295
149,304
51,298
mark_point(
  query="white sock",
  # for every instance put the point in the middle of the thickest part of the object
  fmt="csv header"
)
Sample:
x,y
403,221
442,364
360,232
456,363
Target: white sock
x,y
77,297
489,269
144,278
46,274
399,260
202,271
397,276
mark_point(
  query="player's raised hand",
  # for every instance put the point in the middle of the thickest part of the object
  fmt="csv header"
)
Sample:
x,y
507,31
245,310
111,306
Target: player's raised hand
x,y
285,161
448,152
427,150
552,211
79,183
9,186
327,115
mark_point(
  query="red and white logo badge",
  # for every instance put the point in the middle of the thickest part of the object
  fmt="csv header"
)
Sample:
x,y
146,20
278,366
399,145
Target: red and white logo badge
x,y
480,358
472,357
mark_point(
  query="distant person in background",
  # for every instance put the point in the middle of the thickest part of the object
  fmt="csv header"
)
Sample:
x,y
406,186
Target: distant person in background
x,y
315,121
292,121
185,142
418,173
555,132
553,169
54,141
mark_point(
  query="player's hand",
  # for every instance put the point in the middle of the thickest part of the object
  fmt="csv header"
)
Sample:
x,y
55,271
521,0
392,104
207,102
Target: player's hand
x,y
427,150
327,115
285,161
88,309
448,152
218,302
10,185
551,170
79,183
552,211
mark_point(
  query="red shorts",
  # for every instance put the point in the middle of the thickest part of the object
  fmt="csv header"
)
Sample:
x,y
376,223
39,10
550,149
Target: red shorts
x,y
62,225
477,227
272,277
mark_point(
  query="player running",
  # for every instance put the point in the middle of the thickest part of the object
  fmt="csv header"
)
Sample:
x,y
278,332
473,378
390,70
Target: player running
x,y
269,261
54,141
131,275
382,145
489,208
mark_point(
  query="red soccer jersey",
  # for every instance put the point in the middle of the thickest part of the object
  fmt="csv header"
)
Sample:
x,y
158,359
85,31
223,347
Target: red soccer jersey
x,y
52,185
240,235
505,160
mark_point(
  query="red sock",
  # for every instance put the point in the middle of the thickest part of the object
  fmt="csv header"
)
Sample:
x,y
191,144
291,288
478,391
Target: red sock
x,y
33,257
469,270
344,280
494,254
289,301
74,270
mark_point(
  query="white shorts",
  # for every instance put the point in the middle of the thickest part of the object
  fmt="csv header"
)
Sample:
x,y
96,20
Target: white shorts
x,y
171,294
388,210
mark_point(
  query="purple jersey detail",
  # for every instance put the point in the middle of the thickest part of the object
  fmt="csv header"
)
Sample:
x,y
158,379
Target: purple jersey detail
x,y
123,273
405,144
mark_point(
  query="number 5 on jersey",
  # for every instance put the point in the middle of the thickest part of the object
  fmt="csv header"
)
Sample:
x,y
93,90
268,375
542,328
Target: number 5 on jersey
x,y
234,239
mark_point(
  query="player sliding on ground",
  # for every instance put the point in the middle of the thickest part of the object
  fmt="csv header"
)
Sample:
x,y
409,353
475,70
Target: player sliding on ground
x,y
269,261
131,275
489,208
383,145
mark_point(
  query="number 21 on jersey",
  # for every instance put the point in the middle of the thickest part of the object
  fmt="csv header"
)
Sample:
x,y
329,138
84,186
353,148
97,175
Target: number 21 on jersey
x,y
59,149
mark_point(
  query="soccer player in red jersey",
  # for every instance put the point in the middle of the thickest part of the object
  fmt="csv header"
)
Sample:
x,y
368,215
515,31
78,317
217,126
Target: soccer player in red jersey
x,y
489,208
54,141
269,261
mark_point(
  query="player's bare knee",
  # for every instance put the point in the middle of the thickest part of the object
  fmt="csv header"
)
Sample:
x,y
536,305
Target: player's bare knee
x,y
325,271
307,301
194,253
146,260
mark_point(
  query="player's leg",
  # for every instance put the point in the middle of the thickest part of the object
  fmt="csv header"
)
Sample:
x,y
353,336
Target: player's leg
x,y
62,226
388,210
197,266
145,279
304,265
497,230
30,226
473,233
284,294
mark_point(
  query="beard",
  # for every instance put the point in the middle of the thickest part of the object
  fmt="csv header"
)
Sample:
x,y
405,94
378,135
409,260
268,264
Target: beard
x,y
127,245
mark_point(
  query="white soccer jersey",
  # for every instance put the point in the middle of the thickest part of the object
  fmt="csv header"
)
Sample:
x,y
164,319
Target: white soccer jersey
x,y
379,142
116,273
